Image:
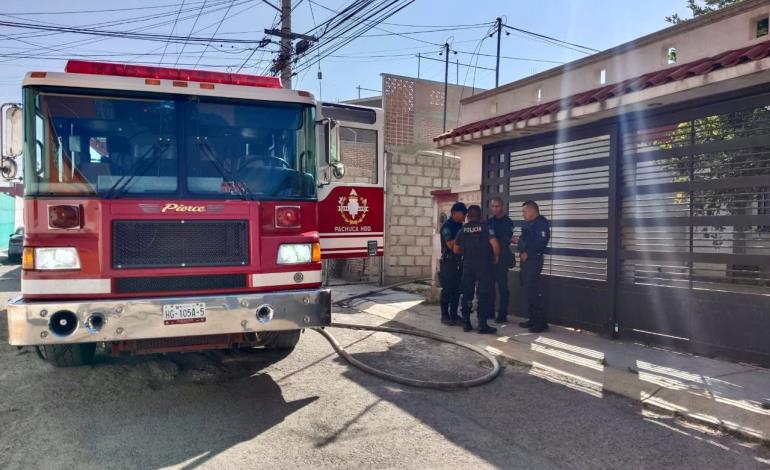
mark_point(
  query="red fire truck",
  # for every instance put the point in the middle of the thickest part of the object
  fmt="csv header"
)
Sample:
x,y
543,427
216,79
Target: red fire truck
x,y
179,210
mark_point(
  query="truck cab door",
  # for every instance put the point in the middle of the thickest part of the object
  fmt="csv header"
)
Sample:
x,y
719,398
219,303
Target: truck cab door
x,y
351,195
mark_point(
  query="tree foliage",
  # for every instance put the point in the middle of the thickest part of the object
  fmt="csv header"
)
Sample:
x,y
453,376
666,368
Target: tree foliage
x,y
701,7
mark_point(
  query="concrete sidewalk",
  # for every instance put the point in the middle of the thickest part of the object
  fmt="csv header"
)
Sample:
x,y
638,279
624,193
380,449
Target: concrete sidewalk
x,y
732,397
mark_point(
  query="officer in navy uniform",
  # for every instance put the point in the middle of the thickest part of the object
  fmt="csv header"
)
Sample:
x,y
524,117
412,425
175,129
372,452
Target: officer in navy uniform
x,y
535,234
503,227
477,242
451,265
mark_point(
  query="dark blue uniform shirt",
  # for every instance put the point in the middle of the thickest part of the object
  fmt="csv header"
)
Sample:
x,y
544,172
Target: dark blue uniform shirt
x,y
503,228
449,233
535,236
474,238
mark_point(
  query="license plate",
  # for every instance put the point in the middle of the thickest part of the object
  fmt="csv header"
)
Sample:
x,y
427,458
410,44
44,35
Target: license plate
x,y
177,314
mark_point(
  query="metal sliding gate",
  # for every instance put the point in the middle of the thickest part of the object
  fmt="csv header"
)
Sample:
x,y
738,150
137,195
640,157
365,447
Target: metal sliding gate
x,y
661,224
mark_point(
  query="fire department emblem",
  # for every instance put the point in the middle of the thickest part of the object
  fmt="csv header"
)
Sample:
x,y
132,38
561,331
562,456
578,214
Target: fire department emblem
x,y
352,208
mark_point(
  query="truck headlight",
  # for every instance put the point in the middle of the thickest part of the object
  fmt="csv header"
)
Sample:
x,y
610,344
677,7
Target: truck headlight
x,y
298,253
45,259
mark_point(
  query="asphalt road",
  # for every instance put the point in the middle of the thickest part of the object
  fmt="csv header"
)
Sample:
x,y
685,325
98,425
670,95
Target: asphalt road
x,y
222,410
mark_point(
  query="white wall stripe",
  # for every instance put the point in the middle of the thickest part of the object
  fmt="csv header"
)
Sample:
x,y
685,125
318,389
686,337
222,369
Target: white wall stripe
x,y
352,234
331,243
285,279
66,286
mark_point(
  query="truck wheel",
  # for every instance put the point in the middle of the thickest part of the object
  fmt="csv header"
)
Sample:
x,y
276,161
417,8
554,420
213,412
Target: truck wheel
x,y
283,340
69,355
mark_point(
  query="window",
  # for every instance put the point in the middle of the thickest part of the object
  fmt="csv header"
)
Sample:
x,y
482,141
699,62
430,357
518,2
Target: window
x,y
243,148
602,76
671,55
539,94
358,149
761,27
113,146
91,145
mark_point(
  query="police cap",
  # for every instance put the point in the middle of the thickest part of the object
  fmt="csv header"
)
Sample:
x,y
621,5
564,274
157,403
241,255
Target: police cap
x,y
459,207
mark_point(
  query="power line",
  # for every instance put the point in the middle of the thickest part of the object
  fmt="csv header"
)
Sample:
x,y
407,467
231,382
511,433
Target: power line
x,y
549,38
191,31
360,25
54,13
206,47
68,45
173,27
126,34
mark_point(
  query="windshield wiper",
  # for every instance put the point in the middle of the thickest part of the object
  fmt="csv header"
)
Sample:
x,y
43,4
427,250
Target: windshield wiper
x,y
139,168
240,185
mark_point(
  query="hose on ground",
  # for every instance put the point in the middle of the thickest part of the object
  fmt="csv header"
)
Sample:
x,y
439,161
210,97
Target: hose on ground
x,y
438,385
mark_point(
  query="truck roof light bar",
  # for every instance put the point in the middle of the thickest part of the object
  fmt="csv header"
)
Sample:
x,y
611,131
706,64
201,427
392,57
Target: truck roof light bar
x,y
165,73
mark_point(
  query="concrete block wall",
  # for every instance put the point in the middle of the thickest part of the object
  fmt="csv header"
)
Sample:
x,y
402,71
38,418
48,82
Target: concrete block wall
x,y
409,227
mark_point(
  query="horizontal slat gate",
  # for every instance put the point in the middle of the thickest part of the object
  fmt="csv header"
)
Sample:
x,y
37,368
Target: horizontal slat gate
x,y
570,181
695,243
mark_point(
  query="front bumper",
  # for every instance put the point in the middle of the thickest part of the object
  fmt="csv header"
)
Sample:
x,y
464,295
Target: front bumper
x,y
130,319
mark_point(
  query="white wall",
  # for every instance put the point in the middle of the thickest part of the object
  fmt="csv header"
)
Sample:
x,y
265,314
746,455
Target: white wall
x,y
707,36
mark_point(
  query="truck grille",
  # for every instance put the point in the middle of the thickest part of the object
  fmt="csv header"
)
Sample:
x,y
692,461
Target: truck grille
x,y
175,243
130,285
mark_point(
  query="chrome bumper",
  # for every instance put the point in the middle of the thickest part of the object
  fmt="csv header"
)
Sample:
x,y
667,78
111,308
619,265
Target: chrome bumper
x,y
129,319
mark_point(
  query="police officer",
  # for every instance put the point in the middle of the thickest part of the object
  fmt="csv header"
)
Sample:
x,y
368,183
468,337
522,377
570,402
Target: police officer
x,y
477,242
450,265
503,227
535,234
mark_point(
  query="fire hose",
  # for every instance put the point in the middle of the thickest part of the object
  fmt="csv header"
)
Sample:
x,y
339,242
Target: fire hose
x,y
433,384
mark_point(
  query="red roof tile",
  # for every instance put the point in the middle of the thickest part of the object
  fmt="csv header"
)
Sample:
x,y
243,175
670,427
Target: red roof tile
x,y
653,79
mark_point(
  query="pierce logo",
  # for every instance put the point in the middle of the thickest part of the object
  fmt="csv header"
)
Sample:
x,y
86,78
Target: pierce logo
x,y
174,207
353,208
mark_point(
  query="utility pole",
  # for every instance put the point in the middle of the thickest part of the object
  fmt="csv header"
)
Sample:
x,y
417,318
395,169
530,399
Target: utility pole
x,y
446,78
418,65
446,92
286,42
282,64
497,65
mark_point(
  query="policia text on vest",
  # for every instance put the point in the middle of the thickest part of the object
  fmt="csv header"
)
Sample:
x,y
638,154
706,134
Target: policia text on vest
x,y
480,249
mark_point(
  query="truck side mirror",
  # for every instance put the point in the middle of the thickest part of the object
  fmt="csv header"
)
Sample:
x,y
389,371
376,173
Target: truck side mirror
x,y
332,135
12,135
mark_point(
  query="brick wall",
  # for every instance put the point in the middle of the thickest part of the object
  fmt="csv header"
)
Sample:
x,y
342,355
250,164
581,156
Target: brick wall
x,y
409,228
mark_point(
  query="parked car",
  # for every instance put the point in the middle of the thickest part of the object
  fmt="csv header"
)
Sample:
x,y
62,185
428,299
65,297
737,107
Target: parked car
x,y
15,245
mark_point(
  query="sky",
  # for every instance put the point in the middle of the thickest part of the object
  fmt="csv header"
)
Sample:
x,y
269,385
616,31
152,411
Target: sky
x,y
392,47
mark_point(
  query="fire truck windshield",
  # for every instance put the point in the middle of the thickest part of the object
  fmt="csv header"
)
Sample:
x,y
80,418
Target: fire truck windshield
x,y
151,145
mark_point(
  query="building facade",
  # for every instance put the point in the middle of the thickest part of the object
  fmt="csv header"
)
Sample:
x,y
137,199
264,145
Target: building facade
x,y
652,160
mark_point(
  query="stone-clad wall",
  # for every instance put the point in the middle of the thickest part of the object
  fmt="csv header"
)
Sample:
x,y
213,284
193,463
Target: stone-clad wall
x,y
409,230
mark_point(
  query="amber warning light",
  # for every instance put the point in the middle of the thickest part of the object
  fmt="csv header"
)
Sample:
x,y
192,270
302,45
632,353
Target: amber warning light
x,y
164,73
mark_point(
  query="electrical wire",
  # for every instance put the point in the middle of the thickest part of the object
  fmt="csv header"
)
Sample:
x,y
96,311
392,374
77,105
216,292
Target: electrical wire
x,y
552,39
173,27
68,46
357,29
54,13
206,47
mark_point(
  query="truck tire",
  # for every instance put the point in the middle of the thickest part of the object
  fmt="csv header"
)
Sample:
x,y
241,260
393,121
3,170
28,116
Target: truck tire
x,y
69,355
283,340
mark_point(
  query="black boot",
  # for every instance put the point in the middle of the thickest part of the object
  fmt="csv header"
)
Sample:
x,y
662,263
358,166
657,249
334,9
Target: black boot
x,y
526,324
485,329
445,319
467,323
